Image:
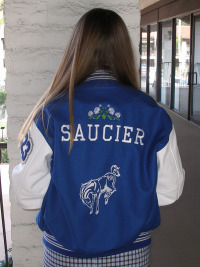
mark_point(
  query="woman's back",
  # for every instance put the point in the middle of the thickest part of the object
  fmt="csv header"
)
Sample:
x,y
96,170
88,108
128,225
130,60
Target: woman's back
x,y
98,155
103,195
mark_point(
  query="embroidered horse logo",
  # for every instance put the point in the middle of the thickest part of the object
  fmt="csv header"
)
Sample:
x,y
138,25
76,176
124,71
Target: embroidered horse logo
x,y
90,192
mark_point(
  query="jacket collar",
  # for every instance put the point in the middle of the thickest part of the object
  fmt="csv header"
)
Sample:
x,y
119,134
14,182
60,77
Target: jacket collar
x,y
101,75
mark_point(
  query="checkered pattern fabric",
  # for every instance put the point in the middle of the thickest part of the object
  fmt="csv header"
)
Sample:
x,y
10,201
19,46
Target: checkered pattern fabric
x,y
135,258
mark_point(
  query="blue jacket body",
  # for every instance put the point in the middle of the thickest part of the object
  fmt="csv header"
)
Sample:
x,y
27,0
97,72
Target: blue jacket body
x,y
103,198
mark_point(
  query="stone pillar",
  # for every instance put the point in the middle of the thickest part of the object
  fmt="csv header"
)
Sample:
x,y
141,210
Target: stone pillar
x,y
36,34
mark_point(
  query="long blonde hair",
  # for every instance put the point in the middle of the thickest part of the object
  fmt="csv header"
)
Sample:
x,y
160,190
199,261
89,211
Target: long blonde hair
x,y
99,40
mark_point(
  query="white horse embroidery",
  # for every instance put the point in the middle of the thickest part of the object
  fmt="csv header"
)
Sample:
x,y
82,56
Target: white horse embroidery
x,y
91,191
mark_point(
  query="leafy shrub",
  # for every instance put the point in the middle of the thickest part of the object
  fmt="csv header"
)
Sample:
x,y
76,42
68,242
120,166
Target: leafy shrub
x,y
10,262
4,156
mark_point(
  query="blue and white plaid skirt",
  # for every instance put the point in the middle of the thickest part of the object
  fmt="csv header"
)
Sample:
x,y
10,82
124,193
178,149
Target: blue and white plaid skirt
x,y
135,258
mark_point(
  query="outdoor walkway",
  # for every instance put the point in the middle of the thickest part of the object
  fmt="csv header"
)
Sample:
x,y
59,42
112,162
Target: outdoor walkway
x,y
176,243
5,188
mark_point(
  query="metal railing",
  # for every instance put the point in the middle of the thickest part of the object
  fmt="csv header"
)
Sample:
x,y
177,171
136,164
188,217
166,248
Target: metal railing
x,y
3,146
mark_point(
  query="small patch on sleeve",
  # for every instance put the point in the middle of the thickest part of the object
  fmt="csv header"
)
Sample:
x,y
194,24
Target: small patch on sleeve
x,y
26,147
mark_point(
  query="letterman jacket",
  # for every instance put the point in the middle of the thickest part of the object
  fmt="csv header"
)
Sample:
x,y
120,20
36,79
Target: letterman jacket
x,y
104,197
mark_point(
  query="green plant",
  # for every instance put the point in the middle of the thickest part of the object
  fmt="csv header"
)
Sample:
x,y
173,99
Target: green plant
x,y
4,156
10,261
1,12
3,95
1,20
1,4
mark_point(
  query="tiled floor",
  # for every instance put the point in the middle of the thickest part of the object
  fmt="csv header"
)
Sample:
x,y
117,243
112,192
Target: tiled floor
x,y
176,242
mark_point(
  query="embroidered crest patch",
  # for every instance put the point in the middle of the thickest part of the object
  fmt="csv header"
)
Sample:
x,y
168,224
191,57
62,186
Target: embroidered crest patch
x,y
26,147
104,112
90,192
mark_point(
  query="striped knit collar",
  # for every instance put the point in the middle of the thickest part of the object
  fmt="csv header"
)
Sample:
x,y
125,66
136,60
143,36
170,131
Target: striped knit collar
x,y
101,75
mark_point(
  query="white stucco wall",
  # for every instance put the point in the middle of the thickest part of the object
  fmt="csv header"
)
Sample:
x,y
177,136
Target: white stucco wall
x,y
36,34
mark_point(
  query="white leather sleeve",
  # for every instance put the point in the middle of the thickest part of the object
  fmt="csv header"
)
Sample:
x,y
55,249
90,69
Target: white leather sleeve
x,y
30,179
171,175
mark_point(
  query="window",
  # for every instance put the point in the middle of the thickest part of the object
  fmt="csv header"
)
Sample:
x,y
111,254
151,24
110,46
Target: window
x,y
182,66
143,59
166,63
195,98
153,61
